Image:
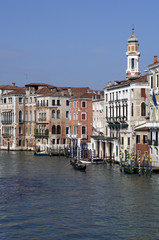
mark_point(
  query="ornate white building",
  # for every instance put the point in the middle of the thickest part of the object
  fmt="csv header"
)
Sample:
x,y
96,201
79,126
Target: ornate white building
x,y
124,108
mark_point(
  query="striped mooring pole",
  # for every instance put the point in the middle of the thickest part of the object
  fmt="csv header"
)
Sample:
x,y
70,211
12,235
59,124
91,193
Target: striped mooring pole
x,y
139,165
150,165
120,161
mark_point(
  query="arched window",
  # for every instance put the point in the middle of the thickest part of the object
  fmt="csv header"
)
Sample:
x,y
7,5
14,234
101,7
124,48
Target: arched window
x,y
58,114
53,129
58,129
132,109
53,113
26,115
132,63
143,109
20,116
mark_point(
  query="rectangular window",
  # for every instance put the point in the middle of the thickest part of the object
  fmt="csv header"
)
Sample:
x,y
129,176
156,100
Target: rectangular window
x,y
128,141
83,104
10,100
30,116
67,102
64,140
58,141
53,141
20,100
106,97
67,113
20,142
83,130
137,138
144,139
20,130
83,116
151,81
157,81
122,140
58,102
106,112
67,130
132,63
53,102
142,92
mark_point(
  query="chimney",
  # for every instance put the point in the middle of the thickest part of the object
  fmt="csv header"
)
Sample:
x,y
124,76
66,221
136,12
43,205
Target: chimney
x,y
13,84
155,59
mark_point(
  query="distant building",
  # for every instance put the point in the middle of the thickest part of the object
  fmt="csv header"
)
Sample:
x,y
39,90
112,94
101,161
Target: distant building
x,y
99,133
12,118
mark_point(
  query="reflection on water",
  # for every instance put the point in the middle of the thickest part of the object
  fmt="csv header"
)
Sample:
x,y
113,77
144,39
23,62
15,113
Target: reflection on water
x,y
44,198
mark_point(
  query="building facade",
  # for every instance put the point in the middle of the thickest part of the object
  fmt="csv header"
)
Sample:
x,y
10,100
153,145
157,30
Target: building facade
x,y
153,123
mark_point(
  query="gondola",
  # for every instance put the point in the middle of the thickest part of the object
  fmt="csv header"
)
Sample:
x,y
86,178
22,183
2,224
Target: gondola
x,y
78,166
43,153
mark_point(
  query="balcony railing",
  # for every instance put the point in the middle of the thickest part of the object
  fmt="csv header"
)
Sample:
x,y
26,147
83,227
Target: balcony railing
x,y
6,122
42,119
84,136
41,135
6,135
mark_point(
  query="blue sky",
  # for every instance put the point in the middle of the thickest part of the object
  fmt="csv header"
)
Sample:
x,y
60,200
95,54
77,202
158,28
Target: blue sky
x,y
74,42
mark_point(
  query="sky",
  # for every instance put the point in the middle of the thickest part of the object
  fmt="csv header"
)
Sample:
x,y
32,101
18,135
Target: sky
x,y
78,43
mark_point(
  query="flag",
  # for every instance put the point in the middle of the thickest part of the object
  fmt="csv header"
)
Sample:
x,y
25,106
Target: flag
x,y
154,99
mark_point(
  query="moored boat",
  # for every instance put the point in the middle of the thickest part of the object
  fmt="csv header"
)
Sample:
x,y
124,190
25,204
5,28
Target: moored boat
x,y
95,160
42,153
78,166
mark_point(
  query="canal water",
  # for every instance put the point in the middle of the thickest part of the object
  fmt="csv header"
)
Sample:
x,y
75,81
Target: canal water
x,y
45,198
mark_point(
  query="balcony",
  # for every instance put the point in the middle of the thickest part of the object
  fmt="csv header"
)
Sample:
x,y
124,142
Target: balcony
x,y
74,136
84,136
6,135
6,122
41,119
42,135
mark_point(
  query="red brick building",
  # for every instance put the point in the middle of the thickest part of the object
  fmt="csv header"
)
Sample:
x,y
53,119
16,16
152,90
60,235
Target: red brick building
x,y
81,119
142,142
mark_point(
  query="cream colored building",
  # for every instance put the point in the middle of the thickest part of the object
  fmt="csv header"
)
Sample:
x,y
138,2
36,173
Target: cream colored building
x,y
153,123
124,108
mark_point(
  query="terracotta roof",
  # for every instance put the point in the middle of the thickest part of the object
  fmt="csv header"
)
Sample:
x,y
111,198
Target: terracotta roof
x,y
39,84
19,91
44,91
128,81
8,87
142,129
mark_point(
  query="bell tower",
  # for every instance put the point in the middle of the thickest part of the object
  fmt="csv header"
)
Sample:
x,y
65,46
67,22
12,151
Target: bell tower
x,y
133,55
